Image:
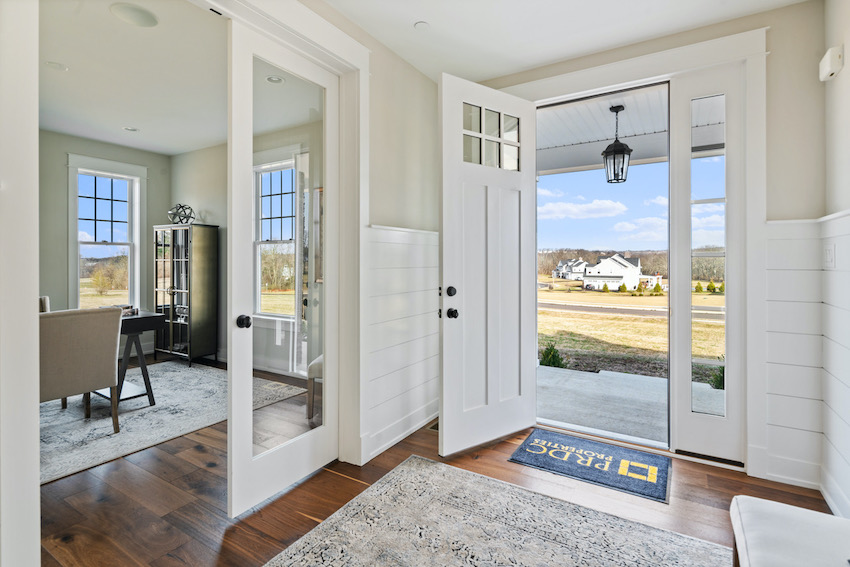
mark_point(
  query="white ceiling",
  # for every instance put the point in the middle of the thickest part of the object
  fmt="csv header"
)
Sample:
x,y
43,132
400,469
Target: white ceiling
x,y
170,81
484,39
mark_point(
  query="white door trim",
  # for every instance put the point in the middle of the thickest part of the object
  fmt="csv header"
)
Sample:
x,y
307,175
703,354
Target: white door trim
x,y
748,47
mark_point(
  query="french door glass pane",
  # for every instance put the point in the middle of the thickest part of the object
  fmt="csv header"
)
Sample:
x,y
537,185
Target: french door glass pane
x,y
708,255
287,330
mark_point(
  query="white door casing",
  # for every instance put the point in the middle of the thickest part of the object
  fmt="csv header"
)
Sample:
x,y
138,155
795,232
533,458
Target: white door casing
x,y
690,431
489,257
252,479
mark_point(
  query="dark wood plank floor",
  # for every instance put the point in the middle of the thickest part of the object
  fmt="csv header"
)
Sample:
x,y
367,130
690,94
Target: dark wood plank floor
x,y
166,505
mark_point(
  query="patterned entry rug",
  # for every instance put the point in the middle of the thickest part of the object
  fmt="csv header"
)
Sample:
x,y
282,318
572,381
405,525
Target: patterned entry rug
x,y
187,399
427,513
621,468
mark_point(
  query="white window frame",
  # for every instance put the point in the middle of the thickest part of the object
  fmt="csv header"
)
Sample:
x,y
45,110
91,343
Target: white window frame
x,y
136,176
265,161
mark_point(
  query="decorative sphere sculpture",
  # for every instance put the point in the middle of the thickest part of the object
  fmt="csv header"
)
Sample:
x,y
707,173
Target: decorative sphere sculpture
x,y
181,214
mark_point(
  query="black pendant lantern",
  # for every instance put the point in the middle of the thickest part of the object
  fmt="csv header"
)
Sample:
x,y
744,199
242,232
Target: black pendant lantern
x,y
616,155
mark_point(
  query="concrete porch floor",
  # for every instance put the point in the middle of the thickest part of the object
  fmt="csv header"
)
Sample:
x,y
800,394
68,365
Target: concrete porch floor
x,y
631,406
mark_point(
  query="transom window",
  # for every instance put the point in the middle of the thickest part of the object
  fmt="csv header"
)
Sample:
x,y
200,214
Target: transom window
x,y
490,138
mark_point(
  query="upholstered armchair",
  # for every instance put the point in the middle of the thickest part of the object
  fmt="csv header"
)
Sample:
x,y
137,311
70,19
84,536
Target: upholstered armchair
x,y
79,354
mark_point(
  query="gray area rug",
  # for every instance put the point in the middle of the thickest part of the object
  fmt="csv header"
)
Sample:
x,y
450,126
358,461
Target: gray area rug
x,y
427,513
187,399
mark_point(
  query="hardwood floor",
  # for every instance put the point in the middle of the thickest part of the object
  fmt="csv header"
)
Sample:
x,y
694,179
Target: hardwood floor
x,y
166,506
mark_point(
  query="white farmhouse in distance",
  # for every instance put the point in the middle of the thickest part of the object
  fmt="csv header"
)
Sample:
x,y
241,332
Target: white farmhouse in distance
x,y
570,269
614,271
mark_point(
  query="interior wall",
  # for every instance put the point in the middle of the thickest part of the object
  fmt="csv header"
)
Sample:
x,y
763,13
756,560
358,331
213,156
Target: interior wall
x,y
795,97
19,322
199,179
405,164
837,17
53,208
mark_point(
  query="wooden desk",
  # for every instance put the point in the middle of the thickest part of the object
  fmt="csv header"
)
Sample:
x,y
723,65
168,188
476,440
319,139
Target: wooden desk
x,y
132,327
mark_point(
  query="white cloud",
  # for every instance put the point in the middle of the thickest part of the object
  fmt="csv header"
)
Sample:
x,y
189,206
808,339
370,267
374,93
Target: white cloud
x,y
581,198
659,200
712,221
652,229
548,193
592,210
708,208
84,236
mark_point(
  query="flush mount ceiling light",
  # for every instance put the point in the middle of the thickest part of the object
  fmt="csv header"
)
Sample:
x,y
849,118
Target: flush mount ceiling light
x,y
275,79
134,15
616,155
56,66
130,129
422,26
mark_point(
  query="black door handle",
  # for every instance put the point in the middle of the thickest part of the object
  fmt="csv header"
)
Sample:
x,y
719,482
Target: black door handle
x,y
450,291
243,322
452,313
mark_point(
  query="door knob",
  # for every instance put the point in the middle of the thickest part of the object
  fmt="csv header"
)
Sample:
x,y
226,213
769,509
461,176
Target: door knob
x,y
450,291
243,322
452,313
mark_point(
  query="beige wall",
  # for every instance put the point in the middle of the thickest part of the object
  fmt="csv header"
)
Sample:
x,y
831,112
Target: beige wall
x,y
405,176
53,207
837,111
795,97
199,179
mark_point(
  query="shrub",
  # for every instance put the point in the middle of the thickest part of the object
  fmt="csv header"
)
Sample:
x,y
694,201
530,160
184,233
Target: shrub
x,y
722,288
551,356
657,288
622,288
711,287
641,287
605,288
698,287
717,380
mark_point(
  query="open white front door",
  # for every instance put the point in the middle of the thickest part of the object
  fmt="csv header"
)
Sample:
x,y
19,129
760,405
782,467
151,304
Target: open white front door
x,y
282,283
488,259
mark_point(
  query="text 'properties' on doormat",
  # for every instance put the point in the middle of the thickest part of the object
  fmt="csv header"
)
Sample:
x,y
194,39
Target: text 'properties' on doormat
x,y
616,467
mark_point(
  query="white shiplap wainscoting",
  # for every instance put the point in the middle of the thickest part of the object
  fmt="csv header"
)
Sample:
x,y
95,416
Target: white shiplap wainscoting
x,y
403,335
835,473
794,355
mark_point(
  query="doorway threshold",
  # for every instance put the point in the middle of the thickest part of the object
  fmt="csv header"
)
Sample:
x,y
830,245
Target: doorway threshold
x,y
601,434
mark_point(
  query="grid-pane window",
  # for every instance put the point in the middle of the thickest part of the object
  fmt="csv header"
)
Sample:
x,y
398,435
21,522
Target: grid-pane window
x,y
277,207
104,240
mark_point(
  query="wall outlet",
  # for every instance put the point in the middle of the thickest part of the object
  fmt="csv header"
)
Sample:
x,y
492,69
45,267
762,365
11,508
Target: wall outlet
x,y
829,256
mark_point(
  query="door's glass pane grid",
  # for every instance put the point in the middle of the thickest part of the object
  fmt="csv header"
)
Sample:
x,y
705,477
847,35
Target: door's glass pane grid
x,y
500,138
277,197
102,209
708,256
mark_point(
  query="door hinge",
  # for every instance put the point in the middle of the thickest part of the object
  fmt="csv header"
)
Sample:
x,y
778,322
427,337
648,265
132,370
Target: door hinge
x,y
440,313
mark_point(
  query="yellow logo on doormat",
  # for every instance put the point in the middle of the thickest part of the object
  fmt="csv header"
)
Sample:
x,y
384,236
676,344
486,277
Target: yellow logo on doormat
x,y
586,458
651,472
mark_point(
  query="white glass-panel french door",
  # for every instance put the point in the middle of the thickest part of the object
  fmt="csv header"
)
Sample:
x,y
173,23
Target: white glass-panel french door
x,y
282,268
707,246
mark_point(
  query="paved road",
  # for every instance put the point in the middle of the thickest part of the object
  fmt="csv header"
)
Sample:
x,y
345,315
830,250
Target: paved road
x,y
631,311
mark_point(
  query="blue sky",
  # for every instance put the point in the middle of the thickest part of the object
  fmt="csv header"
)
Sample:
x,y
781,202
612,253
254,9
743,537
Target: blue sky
x,y
582,210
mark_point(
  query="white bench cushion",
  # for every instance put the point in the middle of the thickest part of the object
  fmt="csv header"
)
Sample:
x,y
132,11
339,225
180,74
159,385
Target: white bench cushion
x,y
772,534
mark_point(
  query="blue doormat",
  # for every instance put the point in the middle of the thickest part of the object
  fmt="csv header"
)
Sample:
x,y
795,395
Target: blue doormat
x,y
620,468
